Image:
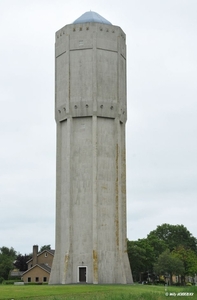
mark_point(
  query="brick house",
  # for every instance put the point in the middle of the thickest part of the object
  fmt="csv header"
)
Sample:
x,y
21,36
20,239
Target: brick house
x,y
39,266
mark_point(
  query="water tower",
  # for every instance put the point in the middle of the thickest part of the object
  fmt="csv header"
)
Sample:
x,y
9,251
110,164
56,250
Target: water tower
x,y
90,112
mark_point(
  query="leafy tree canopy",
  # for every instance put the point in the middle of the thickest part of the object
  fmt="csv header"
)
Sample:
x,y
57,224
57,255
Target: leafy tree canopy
x,y
175,241
7,257
141,256
174,236
45,247
137,258
168,264
149,253
21,262
158,245
189,259
10,252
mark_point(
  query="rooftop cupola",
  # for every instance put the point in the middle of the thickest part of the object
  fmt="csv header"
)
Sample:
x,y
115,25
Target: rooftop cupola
x,y
91,17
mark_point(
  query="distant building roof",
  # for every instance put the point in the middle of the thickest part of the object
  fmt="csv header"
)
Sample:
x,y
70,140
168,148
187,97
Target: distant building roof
x,y
91,17
15,273
42,266
52,252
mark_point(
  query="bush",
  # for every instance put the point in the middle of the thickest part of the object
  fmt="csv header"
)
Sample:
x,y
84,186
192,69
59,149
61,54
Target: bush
x,y
8,281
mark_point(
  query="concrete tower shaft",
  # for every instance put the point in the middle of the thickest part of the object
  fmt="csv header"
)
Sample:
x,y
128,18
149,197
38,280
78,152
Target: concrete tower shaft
x,y
90,112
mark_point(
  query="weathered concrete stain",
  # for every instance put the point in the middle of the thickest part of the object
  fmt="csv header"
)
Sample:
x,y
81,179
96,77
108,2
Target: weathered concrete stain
x,y
123,175
95,266
117,217
66,260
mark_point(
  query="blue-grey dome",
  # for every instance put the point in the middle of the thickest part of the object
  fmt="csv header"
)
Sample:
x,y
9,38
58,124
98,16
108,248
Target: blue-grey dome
x,y
91,17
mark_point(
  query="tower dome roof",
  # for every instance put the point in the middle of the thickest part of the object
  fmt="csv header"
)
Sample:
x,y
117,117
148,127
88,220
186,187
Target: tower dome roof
x,y
91,17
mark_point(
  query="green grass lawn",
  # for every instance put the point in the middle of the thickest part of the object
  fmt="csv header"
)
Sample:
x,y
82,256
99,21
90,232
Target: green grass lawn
x,y
93,292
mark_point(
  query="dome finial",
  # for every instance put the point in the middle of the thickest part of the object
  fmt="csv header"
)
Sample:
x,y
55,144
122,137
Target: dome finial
x,y
91,17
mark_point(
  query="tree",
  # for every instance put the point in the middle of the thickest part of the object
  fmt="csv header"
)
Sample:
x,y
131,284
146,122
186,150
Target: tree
x,y
7,257
174,236
45,247
144,253
21,262
8,251
137,259
142,257
150,257
158,245
189,260
167,264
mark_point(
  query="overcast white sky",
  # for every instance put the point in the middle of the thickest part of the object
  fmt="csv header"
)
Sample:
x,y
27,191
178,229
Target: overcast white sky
x,y
162,114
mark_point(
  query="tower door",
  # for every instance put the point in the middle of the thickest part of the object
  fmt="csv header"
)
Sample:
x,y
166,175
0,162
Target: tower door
x,y
82,274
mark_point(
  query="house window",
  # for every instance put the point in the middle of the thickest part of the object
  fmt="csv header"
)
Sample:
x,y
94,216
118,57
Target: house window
x,y
37,279
46,254
29,279
44,279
